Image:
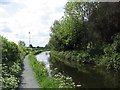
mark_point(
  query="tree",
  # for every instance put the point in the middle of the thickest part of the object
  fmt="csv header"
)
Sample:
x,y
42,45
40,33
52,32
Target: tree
x,y
85,23
22,43
69,33
104,20
31,46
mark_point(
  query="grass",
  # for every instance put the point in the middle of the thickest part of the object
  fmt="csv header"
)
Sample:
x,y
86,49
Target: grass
x,y
44,81
41,73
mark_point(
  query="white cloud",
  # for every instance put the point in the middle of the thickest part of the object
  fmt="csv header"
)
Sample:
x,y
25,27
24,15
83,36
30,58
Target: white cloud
x,y
35,16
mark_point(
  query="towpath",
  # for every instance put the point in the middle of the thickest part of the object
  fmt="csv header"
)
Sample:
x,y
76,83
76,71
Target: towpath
x,y
27,78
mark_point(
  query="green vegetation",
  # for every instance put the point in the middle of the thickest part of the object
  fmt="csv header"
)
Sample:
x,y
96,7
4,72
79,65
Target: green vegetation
x,y
12,56
56,81
89,32
79,59
36,51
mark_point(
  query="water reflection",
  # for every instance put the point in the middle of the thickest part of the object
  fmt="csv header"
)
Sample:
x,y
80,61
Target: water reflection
x,y
89,77
44,57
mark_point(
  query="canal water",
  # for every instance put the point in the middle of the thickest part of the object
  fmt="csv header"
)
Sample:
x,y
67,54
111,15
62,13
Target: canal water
x,y
88,77
44,57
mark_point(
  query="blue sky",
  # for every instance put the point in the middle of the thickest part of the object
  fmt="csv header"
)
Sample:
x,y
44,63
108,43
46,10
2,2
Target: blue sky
x,y
18,17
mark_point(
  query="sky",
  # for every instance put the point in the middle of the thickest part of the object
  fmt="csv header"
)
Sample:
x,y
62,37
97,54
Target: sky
x,y
19,17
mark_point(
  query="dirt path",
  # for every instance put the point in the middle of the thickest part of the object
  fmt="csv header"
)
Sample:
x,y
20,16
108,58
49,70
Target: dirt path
x,y
28,78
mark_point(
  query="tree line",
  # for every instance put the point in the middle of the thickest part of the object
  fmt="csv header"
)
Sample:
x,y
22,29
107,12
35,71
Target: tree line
x,y
85,25
89,32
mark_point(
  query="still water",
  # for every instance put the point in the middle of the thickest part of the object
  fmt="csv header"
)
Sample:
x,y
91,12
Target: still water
x,y
88,77
44,57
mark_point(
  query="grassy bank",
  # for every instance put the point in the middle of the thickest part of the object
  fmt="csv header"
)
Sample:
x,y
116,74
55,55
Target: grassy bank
x,y
41,74
110,60
37,51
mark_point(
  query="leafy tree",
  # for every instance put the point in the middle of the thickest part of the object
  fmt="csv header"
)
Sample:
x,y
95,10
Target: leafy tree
x,y
21,43
70,32
31,46
85,24
104,20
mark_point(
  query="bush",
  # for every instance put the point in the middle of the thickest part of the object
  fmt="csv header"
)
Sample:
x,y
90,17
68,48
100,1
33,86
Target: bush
x,y
107,55
10,51
12,56
22,51
111,58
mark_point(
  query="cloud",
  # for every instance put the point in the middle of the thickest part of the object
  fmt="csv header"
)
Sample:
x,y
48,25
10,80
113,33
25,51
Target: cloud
x,y
5,29
20,36
8,8
4,2
35,16
42,34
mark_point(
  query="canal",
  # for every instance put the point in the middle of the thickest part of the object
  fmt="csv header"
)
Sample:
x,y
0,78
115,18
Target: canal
x,y
88,77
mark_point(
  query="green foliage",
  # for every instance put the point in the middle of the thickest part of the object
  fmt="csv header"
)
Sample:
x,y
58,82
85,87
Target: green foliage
x,y
92,28
22,43
68,33
116,42
10,76
74,59
15,69
22,51
71,32
104,20
31,46
111,57
63,81
40,72
56,81
12,56
85,23
37,51
10,51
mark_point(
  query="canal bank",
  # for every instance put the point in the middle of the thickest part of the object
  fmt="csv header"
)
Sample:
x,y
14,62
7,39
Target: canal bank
x,y
58,80
86,77
86,74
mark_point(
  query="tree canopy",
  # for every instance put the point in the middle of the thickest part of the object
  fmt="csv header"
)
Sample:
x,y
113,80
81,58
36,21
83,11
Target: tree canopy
x,y
85,24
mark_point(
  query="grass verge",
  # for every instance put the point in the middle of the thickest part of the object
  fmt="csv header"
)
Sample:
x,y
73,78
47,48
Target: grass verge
x,y
41,74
